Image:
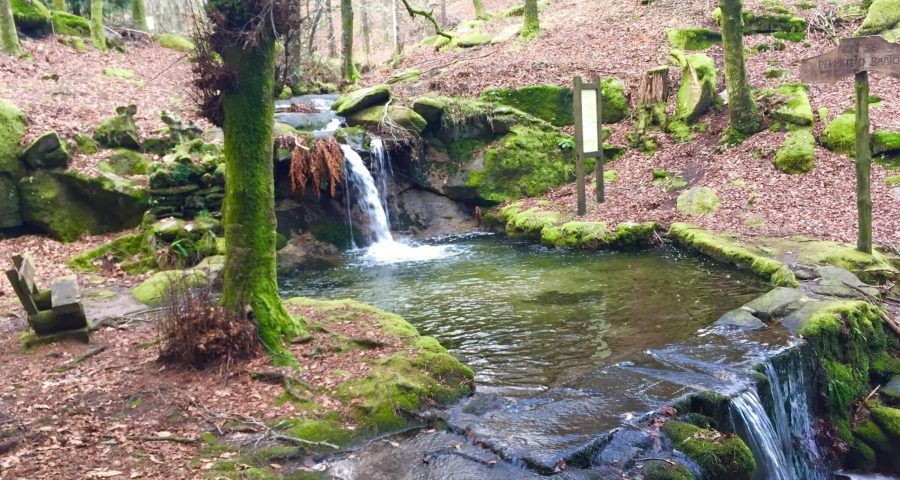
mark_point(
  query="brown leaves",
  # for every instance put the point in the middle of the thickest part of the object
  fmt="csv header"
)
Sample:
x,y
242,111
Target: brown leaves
x,y
313,167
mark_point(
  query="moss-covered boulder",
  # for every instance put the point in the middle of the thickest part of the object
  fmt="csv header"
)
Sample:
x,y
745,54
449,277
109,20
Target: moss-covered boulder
x,y
67,205
698,85
125,162
390,116
719,456
10,212
152,291
666,470
780,21
430,108
840,135
471,39
615,104
797,155
796,110
66,24
175,42
12,129
693,38
550,103
119,130
361,99
32,17
47,151
698,201
883,15
885,141
597,235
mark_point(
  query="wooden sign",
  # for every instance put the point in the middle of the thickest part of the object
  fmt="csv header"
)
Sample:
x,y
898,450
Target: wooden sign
x,y
852,56
588,136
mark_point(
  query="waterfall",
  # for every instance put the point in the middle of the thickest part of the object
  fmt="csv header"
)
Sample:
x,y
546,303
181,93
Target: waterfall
x,y
381,168
383,248
783,440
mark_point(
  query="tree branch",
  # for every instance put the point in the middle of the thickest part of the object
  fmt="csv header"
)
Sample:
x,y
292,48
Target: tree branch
x,y
428,15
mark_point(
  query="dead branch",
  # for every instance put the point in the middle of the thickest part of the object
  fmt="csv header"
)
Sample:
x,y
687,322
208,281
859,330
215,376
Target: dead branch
x,y
158,438
75,361
428,15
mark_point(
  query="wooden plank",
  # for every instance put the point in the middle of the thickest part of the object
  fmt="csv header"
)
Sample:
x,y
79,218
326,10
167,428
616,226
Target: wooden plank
x,y
26,273
579,146
598,164
64,291
852,56
23,293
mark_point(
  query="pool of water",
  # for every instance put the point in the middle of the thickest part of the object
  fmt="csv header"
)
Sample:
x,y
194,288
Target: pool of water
x,y
527,318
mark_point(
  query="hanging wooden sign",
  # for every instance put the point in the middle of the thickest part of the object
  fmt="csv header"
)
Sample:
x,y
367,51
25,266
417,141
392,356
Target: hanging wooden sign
x,y
588,100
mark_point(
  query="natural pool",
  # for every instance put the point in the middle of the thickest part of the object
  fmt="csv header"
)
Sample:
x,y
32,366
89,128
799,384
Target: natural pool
x,y
527,318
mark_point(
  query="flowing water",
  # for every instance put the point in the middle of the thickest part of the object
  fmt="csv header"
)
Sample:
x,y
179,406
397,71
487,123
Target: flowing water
x,y
381,170
525,317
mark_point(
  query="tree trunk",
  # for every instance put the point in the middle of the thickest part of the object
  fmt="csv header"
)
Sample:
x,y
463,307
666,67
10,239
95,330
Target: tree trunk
x,y
479,8
98,36
385,23
742,110
329,18
652,96
531,27
9,39
59,5
317,18
348,68
139,15
367,46
398,45
249,216
443,13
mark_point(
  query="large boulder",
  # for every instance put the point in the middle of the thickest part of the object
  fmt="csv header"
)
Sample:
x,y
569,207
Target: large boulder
x,y
554,104
698,85
119,130
48,151
883,15
71,25
10,213
12,129
125,162
361,99
32,17
377,115
796,109
67,205
306,251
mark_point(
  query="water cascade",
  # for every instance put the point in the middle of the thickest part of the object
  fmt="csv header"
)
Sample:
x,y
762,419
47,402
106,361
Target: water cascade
x,y
783,440
383,248
381,169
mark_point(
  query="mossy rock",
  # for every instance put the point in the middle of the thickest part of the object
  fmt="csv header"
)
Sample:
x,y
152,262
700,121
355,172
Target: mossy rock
x,y
47,151
125,162
693,38
85,144
67,205
797,110
883,15
664,470
32,17
840,135
76,43
719,456
597,235
126,250
401,116
12,129
726,249
430,108
550,103
10,211
410,75
471,39
66,24
782,21
119,130
361,99
698,201
152,291
175,42
797,155
530,223
698,85
885,141
889,420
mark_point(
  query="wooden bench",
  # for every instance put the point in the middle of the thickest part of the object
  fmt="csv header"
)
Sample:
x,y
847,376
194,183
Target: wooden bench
x,y
49,312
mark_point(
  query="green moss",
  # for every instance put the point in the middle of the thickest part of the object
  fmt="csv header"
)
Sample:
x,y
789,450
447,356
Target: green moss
x,y
885,141
76,43
720,457
361,99
125,162
153,290
31,16
860,456
175,42
698,201
527,162
430,108
725,249
12,129
614,103
470,39
530,223
680,131
400,116
670,181
797,110
840,135
663,470
550,103
119,130
883,15
698,88
85,144
122,73
335,232
117,250
797,155
693,38
889,420
72,25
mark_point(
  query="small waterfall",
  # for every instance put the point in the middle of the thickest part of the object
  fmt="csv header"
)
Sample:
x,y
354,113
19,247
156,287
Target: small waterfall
x,y
381,170
783,440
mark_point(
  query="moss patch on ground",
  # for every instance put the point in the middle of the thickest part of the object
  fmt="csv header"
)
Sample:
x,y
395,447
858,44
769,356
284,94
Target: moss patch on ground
x,y
693,38
797,155
840,135
175,42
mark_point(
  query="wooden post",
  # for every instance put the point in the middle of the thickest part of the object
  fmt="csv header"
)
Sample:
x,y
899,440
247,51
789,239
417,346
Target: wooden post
x,y
863,165
579,157
598,165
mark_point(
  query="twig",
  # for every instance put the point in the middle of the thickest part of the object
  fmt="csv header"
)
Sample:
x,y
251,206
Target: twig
x,y
182,57
869,396
157,438
75,361
422,13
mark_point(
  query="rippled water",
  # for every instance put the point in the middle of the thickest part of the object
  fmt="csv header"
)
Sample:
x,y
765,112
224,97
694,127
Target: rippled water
x,y
526,318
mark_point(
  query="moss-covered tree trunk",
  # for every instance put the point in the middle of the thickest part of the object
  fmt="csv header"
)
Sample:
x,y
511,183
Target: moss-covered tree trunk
x,y
532,27
139,15
9,40
98,36
479,8
348,68
742,110
59,5
329,20
249,216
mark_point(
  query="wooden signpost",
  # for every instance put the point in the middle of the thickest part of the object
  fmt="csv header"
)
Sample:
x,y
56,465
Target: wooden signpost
x,y
857,56
588,136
